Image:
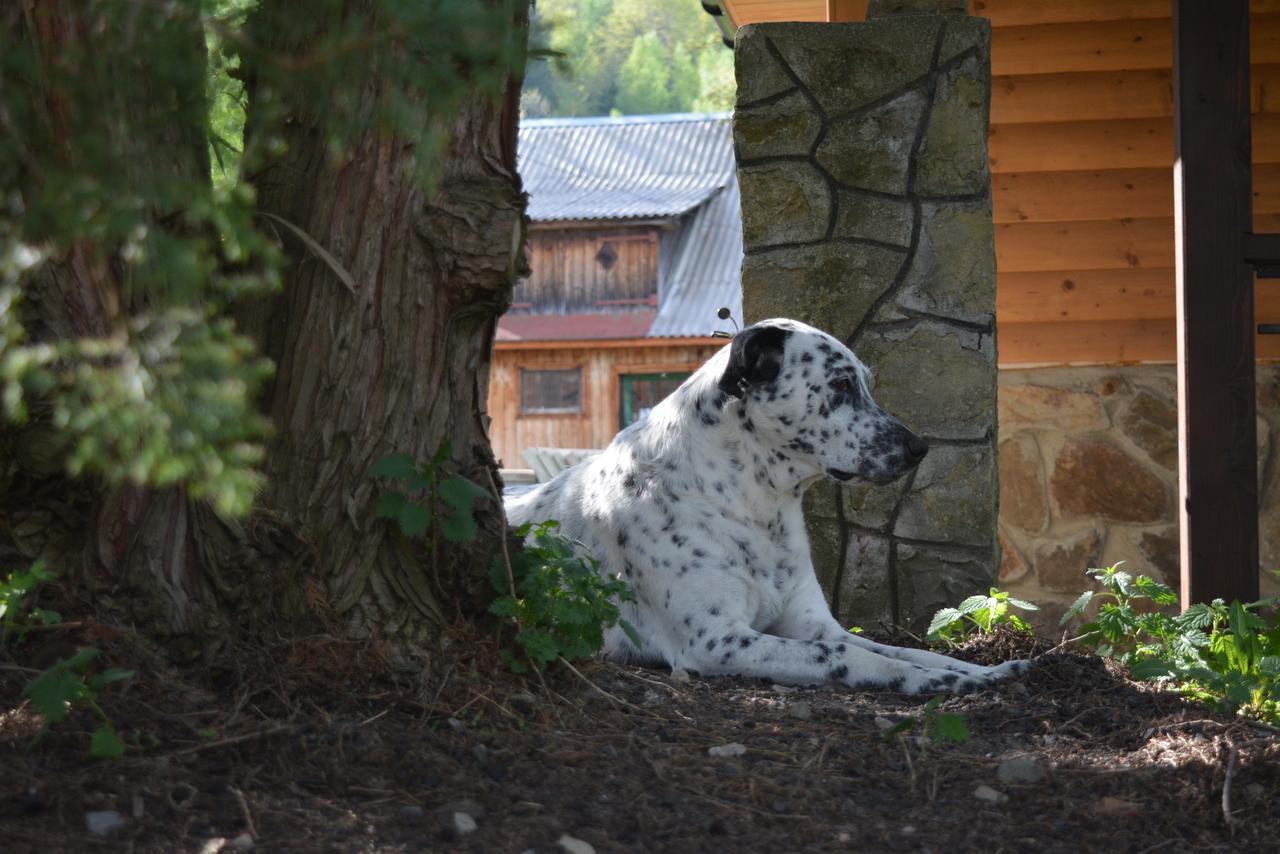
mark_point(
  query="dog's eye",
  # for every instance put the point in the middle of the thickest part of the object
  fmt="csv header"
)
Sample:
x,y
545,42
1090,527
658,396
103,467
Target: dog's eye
x,y
843,385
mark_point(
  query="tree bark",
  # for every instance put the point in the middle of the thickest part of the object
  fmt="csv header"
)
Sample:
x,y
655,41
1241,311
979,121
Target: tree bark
x,y
400,364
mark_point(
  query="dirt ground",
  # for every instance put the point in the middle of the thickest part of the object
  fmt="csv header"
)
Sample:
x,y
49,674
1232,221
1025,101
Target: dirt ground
x,y
313,746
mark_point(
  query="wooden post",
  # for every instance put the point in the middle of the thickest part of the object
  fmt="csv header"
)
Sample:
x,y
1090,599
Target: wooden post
x,y
1217,438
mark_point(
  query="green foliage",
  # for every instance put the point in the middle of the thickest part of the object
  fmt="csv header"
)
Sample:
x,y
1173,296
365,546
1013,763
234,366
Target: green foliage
x,y
17,616
428,502
629,58
127,233
982,614
68,681
939,727
562,603
1227,655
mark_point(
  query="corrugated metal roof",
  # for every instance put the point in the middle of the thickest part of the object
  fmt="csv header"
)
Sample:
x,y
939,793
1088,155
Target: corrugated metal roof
x,y
705,271
624,168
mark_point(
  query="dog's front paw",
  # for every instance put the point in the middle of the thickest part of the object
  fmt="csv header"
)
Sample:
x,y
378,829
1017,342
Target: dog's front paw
x,y
1010,668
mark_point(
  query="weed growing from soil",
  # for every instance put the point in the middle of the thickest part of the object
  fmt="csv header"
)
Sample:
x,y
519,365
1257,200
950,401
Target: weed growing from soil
x,y
938,727
1226,655
562,603
552,588
68,681
428,502
980,614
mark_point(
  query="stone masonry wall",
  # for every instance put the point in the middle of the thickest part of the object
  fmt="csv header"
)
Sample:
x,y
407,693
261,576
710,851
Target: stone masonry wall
x,y
1089,476
866,212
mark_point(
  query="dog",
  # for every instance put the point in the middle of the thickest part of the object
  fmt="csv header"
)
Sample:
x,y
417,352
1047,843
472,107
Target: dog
x,y
697,508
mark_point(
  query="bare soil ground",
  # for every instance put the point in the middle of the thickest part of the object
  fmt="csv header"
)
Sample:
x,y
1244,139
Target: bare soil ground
x,y
314,746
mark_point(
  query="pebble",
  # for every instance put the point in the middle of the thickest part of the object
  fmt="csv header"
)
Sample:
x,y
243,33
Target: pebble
x,y
574,845
651,698
731,749
1020,769
104,822
883,724
990,795
456,725
243,842
680,676
801,711
463,823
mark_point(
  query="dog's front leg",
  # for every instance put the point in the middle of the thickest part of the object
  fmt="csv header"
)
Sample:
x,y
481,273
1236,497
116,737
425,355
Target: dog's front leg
x,y
807,616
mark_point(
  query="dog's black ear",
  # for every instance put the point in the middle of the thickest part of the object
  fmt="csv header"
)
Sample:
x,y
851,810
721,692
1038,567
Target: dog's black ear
x,y
755,356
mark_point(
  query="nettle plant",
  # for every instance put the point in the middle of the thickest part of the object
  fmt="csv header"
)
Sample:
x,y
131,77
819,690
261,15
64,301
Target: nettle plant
x,y
561,602
980,614
552,588
1224,654
68,682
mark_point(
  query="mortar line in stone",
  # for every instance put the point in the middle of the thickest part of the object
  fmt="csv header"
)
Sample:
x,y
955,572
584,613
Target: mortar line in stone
x,y
768,101
824,241
913,161
943,442
862,191
967,549
925,79
772,159
915,318
960,199
916,213
795,78
842,526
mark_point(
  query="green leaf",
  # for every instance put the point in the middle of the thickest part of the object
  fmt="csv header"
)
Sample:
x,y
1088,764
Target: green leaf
x,y
1151,668
105,744
53,691
631,633
395,467
1077,607
1023,604
413,519
460,493
388,505
114,674
441,456
949,727
942,619
459,527
972,604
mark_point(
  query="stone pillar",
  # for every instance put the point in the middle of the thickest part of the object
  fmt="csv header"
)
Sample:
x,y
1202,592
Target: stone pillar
x,y
866,211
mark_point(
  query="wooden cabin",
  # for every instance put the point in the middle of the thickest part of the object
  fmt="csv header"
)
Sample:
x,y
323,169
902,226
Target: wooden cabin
x,y
635,244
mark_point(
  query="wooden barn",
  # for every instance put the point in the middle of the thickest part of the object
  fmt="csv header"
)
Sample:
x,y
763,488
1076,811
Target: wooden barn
x,y
635,243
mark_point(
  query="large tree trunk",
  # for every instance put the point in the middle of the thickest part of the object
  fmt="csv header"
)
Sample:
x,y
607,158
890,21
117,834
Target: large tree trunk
x,y
155,551
400,363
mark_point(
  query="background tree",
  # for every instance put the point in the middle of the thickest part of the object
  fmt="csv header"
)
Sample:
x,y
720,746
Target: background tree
x,y
629,58
367,255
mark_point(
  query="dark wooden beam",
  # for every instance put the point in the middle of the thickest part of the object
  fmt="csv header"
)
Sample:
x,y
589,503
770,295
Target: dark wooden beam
x,y
1212,211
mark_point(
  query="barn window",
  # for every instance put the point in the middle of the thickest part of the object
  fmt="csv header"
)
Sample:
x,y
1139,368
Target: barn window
x,y
557,391
642,392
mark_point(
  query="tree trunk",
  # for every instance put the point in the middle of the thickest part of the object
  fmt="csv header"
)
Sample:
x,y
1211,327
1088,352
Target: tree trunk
x,y
400,363
153,550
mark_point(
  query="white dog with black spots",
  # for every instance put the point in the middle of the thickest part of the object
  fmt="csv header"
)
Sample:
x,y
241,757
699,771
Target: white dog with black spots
x,y
697,508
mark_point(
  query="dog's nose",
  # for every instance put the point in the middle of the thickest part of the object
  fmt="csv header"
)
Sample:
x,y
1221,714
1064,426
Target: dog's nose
x,y
917,448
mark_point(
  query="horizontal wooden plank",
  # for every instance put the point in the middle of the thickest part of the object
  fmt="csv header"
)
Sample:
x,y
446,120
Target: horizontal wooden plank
x,y
1114,144
1088,245
1107,194
1107,46
1013,13
1092,295
759,11
1093,245
1020,345
1095,95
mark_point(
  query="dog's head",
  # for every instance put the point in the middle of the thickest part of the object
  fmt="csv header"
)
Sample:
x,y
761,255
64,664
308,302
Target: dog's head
x,y
805,393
